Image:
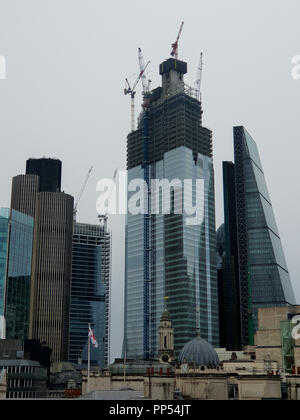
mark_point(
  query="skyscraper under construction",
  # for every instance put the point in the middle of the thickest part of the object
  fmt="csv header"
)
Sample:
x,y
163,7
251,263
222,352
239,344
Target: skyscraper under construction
x,y
165,255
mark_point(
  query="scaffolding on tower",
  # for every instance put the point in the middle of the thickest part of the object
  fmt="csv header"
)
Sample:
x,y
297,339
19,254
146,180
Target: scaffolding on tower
x,y
147,245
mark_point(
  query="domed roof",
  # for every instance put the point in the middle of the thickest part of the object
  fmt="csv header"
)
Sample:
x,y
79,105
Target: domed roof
x,y
165,316
199,352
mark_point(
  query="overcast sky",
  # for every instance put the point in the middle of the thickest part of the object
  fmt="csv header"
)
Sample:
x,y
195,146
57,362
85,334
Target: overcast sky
x,y
67,61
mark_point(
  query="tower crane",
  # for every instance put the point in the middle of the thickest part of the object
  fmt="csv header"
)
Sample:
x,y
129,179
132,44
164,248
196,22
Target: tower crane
x,y
174,52
142,72
81,192
103,217
199,77
131,90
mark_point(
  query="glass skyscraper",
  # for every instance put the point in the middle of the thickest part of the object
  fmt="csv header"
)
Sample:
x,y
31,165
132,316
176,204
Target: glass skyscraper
x,y
4,224
263,274
16,241
182,256
228,272
90,293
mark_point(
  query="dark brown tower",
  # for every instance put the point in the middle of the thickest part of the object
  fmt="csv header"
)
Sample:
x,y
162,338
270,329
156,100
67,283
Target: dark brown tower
x,y
51,257
51,272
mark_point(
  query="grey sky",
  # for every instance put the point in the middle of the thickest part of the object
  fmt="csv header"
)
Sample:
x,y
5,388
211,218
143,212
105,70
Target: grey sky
x,y
66,65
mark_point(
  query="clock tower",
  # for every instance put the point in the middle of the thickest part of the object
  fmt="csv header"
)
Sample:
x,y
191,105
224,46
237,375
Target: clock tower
x,y
165,338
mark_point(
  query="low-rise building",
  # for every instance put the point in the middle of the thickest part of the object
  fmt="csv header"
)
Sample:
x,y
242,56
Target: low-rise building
x,y
125,374
274,337
3,385
26,363
25,379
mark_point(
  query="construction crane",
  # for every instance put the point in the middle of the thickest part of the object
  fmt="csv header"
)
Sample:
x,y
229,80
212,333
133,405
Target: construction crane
x,y
199,77
103,217
81,192
142,75
131,90
174,52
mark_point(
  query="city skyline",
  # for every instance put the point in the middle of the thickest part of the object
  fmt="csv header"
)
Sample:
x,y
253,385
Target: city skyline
x,y
54,115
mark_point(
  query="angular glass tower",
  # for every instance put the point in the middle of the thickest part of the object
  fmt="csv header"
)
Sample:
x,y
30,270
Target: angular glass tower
x,y
263,274
181,257
90,293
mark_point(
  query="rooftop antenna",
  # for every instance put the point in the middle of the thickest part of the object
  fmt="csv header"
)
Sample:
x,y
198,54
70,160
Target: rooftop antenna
x,y
174,52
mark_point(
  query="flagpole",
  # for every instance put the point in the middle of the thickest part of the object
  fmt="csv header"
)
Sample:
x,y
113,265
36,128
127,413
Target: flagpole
x,y
89,361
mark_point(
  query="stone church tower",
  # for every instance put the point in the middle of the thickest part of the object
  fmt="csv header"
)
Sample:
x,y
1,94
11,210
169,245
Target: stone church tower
x,y
165,338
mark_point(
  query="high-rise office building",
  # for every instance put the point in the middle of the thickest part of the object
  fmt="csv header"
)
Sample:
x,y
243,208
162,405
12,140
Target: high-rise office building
x,y
229,288
23,193
165,256
48,171
4,235
90,293
16,241
34,194
253,245
51,272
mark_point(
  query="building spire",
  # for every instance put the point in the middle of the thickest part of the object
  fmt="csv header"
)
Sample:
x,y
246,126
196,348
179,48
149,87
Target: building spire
x,y
166,298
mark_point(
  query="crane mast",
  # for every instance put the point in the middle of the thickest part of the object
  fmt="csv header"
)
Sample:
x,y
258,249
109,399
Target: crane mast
x,y
142,71
81,192
131,90
199,78
103,217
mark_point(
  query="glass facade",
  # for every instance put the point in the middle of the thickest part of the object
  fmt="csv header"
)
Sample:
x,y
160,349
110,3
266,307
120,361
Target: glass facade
x,y
183,260
17,237
262,264
90,293
182,255
4,223
229,291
